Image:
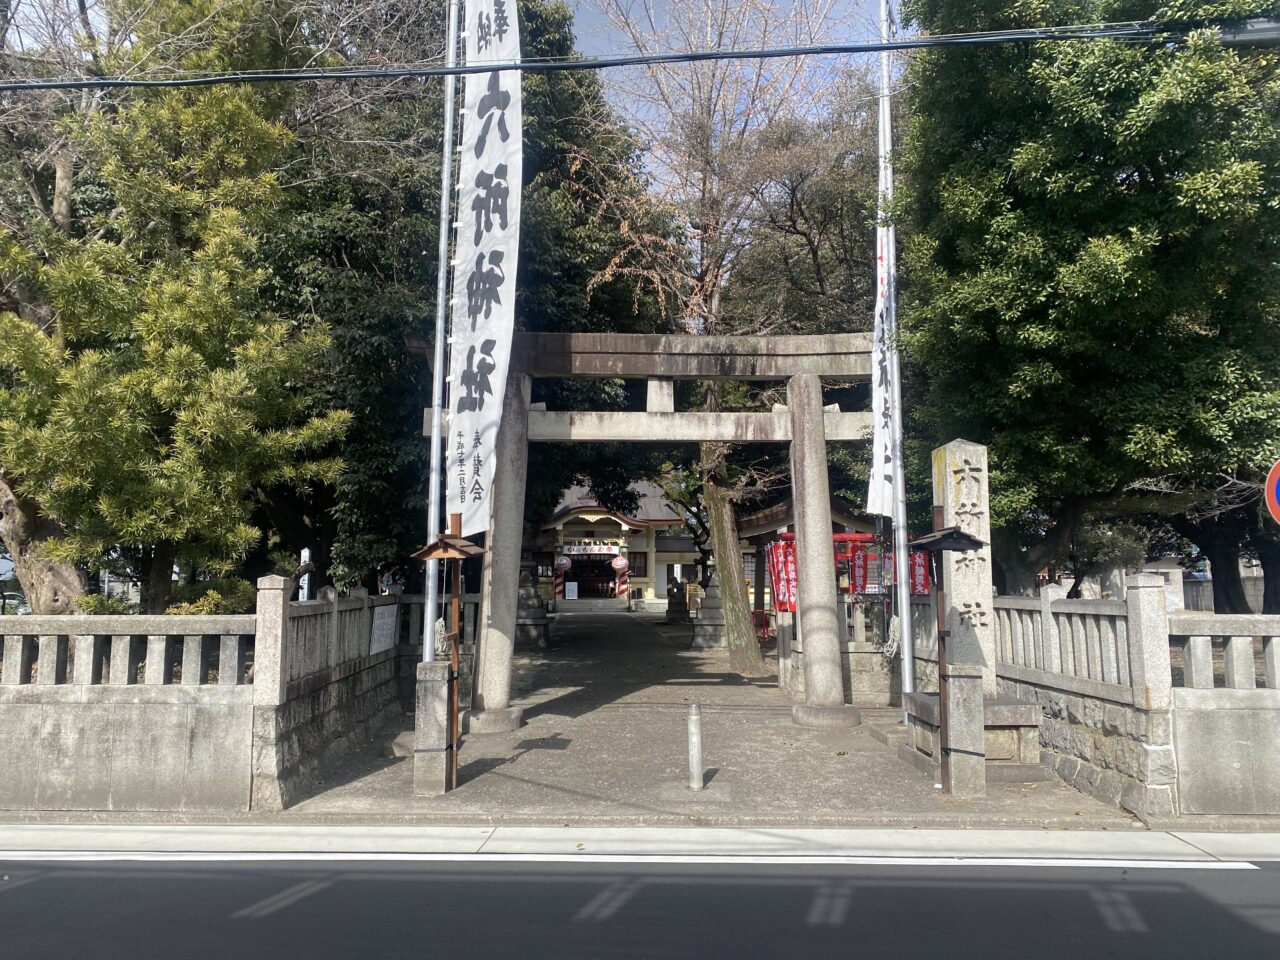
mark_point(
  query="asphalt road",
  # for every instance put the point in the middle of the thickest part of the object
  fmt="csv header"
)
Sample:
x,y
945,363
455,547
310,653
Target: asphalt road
x,y
594,911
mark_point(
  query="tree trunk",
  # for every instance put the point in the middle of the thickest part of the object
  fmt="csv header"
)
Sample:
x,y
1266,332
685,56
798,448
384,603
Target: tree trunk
x,y
1219,538
744,652
157,577
1019,568
49,586
1224,568
1016,576
1265,538
63,182
1270,560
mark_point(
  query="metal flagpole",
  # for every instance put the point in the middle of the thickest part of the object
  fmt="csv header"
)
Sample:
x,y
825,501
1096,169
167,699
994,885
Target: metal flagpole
x,y
889,261
442,304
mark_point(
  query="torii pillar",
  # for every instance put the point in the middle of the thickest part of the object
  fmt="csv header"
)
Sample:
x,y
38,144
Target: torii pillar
x,y
816,608
500,581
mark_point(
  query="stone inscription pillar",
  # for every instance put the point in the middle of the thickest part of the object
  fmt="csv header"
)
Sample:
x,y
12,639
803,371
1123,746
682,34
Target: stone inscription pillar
x,y
960,488
815,560
500,582
968,675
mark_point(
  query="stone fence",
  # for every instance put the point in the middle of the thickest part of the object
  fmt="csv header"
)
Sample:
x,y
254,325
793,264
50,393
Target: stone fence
x,y
1162,714
197,713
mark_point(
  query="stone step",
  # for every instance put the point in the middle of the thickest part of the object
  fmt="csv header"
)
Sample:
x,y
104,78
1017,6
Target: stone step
x,y
591,606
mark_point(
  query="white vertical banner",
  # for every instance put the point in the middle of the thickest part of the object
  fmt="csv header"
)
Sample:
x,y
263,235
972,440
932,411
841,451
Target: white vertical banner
x,y
880,498
484,266
880,485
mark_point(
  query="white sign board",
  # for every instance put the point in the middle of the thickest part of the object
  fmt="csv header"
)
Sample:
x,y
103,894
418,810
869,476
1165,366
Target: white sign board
x,y
571,591
591,549
383,635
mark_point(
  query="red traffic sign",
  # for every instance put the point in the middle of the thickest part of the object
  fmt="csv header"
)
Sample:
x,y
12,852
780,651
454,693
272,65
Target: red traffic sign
x,y
1272,492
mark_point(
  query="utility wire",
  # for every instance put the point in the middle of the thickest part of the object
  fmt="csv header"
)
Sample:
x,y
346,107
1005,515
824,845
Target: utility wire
x,y
1148,31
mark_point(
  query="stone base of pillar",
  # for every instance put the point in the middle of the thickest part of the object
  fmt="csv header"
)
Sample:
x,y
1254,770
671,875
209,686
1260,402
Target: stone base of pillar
x,y
677,605
431,730
871,679
708,636
532,623
493,720
808,715
709,628
534,632
1010,744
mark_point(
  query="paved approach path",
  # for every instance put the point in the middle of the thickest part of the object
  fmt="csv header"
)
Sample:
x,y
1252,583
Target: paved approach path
x,y
605,742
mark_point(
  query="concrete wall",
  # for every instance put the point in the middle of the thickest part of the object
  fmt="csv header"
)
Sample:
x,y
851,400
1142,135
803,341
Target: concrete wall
x,y
335,691
1199,593
135,748
329,713
193,714
125,713
1113,751
1228,744
1115,724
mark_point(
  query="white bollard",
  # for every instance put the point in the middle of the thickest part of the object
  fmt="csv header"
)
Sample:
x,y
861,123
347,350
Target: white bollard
x,y
695,747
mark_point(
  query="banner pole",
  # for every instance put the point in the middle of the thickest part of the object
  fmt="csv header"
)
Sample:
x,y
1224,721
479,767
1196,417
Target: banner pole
x,y
430,614
888,264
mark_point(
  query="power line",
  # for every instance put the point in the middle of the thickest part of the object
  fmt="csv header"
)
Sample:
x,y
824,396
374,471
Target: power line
x,y
1148,31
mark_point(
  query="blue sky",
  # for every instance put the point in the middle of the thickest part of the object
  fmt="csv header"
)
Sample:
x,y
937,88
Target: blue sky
x,y
597,38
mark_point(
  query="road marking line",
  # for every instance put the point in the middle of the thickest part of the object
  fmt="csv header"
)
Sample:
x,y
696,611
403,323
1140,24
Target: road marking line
x,y
285,898
7,885
607,902
829,907
285,856
1118,911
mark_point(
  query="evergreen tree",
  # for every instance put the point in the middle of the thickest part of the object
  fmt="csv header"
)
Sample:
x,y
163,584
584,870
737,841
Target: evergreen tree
x,y
146,392
1093,264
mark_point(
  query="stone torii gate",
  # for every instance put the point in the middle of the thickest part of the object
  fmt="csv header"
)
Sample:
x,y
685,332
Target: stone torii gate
x,y
802,362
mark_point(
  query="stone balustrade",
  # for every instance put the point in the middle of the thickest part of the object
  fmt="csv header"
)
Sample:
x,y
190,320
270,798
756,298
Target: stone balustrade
x,y
1162,713
196,713
1227,651
122,650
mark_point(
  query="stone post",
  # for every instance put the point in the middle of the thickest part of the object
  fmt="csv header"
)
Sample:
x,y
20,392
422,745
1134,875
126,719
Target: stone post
x,y
270,669
1149,665
815,560
1151,675
500,582
270,685
960,489
431,730
967,673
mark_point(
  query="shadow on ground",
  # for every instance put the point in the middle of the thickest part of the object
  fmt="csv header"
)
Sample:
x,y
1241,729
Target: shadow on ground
x,y
605,740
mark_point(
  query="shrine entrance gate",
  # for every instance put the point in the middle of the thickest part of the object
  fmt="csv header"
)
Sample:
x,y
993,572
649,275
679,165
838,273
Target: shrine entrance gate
x,y
802,362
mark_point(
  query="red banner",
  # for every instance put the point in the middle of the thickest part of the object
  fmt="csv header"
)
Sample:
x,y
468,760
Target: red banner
x,y
920,583
782,575
771,558
858,570
790,553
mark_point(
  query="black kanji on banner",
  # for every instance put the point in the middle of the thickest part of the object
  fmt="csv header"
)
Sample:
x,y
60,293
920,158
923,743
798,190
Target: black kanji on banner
x,y
494,103
484,286
475,379
500,21
490,202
